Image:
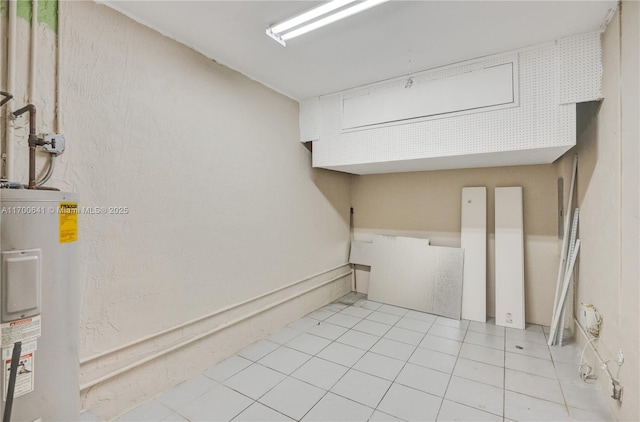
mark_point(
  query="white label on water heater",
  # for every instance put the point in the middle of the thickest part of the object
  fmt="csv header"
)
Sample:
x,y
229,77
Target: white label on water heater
x,y
29,346
24,376
20,330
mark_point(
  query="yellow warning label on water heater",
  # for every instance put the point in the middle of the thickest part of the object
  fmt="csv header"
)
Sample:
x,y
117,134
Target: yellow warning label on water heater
x,y
68,221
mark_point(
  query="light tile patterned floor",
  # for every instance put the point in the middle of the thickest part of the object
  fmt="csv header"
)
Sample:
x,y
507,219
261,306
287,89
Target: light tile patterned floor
x,y
375,362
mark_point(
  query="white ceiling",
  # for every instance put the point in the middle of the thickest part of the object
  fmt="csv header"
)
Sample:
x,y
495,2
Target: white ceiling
x,y
390,40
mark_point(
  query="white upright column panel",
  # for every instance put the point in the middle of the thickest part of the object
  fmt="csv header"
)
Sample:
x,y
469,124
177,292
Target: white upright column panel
x,y
473,239
509,253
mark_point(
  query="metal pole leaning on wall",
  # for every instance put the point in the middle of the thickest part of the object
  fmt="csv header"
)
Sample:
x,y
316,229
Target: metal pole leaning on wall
x,y
13,373
556,317
565,244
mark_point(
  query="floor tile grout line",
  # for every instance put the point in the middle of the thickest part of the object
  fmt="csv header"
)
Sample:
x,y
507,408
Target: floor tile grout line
x,y
535,397
444,395
263,394
194,399
488,334
346,398
242,394
475,408
275,410
314,405
484,347
562,392
324,338
532,374
254,401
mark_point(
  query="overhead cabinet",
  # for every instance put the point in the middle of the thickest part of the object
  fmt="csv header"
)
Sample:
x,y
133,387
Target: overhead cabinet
x,y
509,109
421,98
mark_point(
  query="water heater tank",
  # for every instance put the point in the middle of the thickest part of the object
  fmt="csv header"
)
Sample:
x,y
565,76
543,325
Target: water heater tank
x,y
40,302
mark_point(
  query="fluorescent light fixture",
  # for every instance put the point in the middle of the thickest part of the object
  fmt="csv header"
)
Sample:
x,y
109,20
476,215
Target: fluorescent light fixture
x,y
316,18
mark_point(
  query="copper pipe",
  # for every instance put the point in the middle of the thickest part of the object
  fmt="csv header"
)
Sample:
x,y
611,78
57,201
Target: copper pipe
x,y
32,116
33,141
6,98
32,167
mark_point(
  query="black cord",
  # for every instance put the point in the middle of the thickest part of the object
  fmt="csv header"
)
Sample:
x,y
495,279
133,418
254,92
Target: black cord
x,y
13,372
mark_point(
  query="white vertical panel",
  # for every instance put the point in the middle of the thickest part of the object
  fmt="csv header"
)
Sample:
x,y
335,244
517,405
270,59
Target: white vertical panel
x,y
473,239
509,254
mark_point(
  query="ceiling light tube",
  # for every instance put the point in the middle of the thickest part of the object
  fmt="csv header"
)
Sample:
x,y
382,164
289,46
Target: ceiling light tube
x,y
277,33
309,15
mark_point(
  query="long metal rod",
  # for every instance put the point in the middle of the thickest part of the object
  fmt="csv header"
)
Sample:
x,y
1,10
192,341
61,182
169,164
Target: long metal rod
x,y
205,334
13,373
563,305
565,288
202,318
560,307
565,239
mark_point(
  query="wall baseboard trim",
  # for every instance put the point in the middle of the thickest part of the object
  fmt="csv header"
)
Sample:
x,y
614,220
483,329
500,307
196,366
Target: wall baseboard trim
x,y
236,323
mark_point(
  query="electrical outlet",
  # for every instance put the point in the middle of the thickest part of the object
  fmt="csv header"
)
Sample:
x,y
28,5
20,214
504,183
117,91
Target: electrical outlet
x,y
620,357
54,138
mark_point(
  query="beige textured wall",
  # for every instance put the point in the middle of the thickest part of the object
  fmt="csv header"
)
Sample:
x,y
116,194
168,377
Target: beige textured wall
x,y
223,204
427,204
607,194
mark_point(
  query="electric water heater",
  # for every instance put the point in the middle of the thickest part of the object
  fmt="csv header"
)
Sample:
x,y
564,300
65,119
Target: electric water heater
x,y
39,304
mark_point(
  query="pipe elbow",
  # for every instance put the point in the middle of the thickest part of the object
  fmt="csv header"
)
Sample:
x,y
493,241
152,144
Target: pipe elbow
x,y
28,108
